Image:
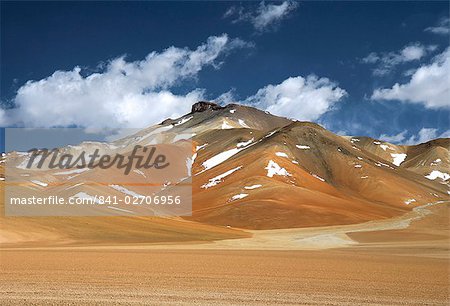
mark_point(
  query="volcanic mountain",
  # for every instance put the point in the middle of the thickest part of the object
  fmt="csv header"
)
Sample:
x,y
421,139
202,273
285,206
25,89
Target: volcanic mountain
x,y
252,170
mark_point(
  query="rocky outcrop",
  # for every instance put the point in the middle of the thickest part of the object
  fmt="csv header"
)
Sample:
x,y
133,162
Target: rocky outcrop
x,y
202,106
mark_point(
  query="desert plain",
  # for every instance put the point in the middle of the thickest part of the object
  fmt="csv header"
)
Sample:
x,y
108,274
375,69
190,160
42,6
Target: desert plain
x,y
399,261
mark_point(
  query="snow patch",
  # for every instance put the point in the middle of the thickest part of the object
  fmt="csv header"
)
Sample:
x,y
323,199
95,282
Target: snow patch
x,y
253,186
438,174
435,162
22,153
126,191
243,124
76,185
318,177
216,180
245,143
72,171
197,148
379,164
270,134
274,169
398,158
24,163
184,120
190,163
84,195
239,196
225,125
281,154
220,158
385,147
303,147
139,172
39,183
194,156
409,201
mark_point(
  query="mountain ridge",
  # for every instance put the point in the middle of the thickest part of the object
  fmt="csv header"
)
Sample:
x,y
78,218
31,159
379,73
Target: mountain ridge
x,y
254,170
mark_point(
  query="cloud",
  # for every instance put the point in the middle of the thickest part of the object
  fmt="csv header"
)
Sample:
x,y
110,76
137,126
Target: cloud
x,y
297,97
122,94
424,135
386,62
264,16
398,138
429,85
226,97
442,27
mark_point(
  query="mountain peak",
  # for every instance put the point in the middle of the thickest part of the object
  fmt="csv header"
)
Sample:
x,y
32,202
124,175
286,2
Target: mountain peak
x,y
202,106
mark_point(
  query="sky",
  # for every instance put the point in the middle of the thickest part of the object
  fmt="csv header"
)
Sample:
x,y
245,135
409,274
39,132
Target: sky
x,y
379,69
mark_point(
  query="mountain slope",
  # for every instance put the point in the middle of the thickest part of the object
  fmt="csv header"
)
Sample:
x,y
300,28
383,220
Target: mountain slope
x,y
429,159
253,170
301,175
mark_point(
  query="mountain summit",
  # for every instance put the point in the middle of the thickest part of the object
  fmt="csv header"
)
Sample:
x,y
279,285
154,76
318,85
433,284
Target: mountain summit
x,y
202,106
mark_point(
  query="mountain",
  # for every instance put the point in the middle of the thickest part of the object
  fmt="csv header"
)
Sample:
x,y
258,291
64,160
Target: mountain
x,y
252,170
430,159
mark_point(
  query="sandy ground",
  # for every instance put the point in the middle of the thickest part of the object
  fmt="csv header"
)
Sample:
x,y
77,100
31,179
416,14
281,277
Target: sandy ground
x,y
425,227
209,277
400,261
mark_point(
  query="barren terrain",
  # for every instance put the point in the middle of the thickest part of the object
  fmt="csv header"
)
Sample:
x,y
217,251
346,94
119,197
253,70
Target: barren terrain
x,y
391,262
226,277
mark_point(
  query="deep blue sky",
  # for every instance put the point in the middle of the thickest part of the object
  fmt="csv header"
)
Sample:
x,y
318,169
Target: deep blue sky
x,y
328,39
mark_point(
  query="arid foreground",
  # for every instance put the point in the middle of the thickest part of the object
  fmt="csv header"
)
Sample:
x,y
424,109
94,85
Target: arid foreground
x,y
221,277
400,262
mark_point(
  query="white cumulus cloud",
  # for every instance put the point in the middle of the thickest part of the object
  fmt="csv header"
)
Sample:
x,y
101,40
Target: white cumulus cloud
x,y
123,94
429,85
387,61
264,16
298,97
